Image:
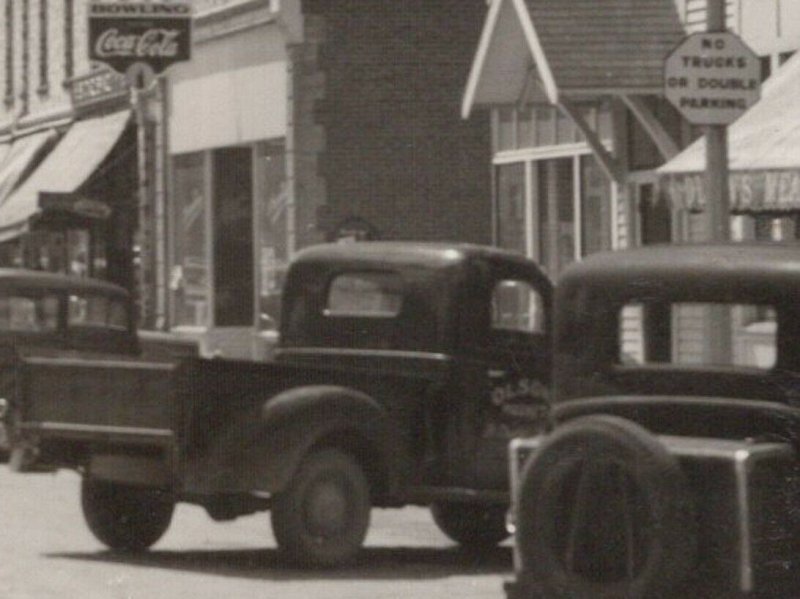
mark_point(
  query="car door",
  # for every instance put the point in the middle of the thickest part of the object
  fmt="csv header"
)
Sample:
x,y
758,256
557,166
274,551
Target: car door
x,y
505,369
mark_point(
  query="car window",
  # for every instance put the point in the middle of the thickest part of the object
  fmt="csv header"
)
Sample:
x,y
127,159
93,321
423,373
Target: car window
x,y
28,313
744,335
96,310
516,306
365,294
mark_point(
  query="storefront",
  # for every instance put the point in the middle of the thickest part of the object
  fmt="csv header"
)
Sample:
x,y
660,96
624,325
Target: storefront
x,y
228,212
574,113
553,201
68,192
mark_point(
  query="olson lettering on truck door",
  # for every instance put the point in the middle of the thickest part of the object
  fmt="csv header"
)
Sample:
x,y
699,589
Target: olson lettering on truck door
x,y
508,368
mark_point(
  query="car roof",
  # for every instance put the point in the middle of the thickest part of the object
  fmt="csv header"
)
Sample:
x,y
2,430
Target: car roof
x,y
401,253
34,279
732,267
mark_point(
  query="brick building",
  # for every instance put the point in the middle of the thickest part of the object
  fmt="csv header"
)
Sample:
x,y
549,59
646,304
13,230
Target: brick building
x,y
297,122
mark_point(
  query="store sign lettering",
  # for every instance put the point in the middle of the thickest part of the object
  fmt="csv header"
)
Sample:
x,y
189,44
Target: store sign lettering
x,y
752,191
161,43
154,34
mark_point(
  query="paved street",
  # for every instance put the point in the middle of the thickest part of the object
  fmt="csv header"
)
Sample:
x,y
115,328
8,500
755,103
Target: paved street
x,y
47,552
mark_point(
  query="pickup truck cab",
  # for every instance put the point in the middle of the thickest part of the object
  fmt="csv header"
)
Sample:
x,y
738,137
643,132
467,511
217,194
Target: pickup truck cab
x,y
672,466
402,372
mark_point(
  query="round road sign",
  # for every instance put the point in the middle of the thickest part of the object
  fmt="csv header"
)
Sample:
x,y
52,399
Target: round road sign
x,y
712,78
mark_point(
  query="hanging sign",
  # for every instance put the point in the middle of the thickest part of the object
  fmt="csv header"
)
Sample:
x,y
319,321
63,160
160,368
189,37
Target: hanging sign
x,y
712,78
140,37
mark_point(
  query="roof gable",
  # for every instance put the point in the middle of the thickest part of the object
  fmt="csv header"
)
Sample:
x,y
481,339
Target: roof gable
x,y
572,47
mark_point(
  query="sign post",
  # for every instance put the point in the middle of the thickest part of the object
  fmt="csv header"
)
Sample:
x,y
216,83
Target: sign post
x,y
141,40
712,78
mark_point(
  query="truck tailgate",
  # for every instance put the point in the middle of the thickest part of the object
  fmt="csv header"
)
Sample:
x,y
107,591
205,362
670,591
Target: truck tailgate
x,y
92,398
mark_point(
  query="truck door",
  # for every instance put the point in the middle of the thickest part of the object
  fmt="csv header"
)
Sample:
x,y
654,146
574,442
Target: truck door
x,y
508,371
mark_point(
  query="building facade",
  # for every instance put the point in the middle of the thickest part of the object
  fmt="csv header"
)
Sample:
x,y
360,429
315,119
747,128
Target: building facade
x,y
66,131
581,133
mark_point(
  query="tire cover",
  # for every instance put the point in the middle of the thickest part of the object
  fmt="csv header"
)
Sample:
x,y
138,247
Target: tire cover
x,y
595,445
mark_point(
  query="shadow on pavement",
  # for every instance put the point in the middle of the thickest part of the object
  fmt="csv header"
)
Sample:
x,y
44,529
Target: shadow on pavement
x,y
373,563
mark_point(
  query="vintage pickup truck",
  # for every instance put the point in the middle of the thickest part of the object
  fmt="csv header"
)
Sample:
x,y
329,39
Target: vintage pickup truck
x,y
403,371
673,466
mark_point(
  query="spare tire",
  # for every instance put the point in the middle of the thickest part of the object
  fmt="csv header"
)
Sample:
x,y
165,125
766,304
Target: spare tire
x,y
604,511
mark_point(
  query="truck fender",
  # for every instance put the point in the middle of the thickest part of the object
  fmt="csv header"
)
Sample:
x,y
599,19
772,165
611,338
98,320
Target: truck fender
x,y
296,421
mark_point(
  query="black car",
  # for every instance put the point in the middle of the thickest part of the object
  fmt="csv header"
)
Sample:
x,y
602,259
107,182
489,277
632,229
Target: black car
x,y
671,468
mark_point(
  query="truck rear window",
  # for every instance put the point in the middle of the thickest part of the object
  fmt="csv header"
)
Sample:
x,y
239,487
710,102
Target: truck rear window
x,y
28,314
701,334
365,294
97,311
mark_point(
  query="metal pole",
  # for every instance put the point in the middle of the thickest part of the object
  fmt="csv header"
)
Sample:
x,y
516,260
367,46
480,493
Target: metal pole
x,y
717,194
718,205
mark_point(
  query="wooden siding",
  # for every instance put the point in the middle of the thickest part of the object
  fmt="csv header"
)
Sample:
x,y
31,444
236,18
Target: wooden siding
x,y
613,44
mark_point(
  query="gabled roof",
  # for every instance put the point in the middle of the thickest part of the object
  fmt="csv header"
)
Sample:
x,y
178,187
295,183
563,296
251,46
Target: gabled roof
x,y
571,47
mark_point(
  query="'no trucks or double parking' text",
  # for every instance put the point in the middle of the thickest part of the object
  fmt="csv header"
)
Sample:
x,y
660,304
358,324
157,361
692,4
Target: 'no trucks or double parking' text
x,y
712,78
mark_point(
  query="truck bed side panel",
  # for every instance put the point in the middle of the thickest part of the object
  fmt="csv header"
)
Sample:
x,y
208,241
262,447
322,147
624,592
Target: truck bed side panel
x,y
97,394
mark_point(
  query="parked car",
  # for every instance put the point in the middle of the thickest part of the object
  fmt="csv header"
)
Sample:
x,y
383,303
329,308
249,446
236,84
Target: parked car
x,y
402,373
671,469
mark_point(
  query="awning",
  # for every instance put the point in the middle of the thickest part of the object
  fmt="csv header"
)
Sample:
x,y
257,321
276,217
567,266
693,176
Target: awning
x,y
84,147
19,157
545,49
4,149
763,153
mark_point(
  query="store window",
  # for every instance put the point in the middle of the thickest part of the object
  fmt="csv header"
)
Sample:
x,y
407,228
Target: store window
x,y
273,250
595,207
189,282
564,215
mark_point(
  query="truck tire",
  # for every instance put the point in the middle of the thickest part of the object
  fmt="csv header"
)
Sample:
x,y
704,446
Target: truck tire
x,y
471,525
124,517
605,511
322,516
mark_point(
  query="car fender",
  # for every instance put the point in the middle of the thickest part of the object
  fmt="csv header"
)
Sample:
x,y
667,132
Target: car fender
x,y
295,421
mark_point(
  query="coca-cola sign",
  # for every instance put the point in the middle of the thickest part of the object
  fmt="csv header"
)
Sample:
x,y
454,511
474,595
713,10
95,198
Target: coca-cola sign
x,y
156,34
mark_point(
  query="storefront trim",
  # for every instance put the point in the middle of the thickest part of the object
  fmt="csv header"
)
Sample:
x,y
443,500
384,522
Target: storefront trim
x,y
543,152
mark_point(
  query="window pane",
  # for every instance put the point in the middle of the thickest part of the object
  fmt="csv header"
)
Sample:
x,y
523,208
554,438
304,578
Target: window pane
x,y
365,295
516,306
189,273
505,131
511,206
595,207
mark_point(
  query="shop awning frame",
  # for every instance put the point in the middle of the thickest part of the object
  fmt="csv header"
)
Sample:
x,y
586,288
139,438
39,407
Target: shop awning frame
x,y
64,170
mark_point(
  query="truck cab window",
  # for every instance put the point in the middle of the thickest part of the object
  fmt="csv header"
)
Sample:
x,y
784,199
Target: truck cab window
x,y
365,294
516,306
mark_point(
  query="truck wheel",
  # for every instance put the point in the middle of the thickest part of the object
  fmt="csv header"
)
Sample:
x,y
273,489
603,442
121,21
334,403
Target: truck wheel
x,y
321,518
605,511
125,517
470,525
